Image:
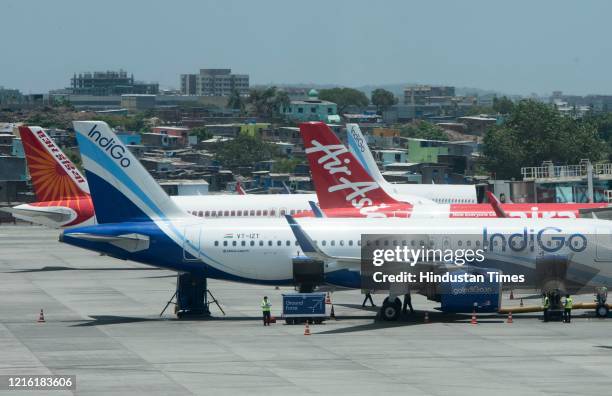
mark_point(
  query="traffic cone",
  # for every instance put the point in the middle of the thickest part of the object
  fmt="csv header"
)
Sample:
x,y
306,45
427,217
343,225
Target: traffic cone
x,y
306,329
509,317
521,302
474,321
511,294
328,299
332,314
426,318
41,317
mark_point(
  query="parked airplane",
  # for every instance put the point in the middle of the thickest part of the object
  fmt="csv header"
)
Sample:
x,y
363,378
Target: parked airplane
x,y
63,198
345,189
439,193
139,222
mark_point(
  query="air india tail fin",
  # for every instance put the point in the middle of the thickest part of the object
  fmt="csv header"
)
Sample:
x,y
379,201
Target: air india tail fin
x,y
339,179
121,188
54,176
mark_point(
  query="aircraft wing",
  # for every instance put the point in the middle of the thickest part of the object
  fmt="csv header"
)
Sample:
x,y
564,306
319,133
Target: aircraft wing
x,y
129,242
311,250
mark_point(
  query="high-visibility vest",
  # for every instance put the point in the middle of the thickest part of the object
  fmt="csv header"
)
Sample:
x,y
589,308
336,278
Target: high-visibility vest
x,y
569,302
546,302
265,305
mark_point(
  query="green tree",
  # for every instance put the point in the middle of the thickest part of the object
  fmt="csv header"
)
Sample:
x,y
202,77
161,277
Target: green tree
x,y
244,150
344,97
235,101
201,133
268,102
536,132
383,99
286,165
503,105
423,130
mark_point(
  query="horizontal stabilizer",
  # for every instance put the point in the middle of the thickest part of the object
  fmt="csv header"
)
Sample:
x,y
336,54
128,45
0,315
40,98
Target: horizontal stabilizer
x,y
55,214
128,242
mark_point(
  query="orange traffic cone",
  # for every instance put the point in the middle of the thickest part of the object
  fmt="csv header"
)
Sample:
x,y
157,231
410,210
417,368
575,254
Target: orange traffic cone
x,y
509,317
306,329
328,299
474,321
332,314
41,317
511,294
521,302
426,318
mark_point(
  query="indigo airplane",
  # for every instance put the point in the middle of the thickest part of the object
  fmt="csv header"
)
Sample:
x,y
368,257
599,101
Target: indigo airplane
x,y
138,221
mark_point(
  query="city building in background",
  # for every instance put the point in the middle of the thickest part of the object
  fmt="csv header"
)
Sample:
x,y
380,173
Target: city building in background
x,y
311,109
109,83
214,82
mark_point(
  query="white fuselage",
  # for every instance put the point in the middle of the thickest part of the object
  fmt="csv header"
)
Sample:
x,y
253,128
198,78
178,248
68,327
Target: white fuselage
x,y
262,249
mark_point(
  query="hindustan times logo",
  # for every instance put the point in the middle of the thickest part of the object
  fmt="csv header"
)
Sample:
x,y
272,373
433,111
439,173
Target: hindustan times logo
x,y
116,150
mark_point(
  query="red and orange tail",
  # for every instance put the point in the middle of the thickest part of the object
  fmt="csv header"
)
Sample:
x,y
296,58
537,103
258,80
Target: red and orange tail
x,y
339,178
54,176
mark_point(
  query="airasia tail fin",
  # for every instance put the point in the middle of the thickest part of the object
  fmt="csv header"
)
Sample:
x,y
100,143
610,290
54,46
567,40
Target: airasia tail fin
x,y
340,180
54,176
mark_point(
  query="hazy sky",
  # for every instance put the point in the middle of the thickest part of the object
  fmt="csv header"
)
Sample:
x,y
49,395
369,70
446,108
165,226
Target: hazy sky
x,y
511,46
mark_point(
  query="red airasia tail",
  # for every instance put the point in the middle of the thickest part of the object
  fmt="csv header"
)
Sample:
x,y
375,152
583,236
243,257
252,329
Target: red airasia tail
x,y
345,189
61,190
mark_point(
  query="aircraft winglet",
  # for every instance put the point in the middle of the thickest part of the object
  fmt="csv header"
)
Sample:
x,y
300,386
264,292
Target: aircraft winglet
x,y
499,211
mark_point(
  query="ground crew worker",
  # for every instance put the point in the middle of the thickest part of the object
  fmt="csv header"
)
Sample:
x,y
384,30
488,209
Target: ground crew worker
x,y
266,305
567,305
407,303
368,296
546,306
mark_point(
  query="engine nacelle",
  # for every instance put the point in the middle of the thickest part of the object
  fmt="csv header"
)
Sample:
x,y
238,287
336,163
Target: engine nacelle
x,y
466,296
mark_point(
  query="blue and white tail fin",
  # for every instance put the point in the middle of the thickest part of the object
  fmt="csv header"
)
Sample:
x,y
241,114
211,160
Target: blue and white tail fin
x,y
358,146
121,188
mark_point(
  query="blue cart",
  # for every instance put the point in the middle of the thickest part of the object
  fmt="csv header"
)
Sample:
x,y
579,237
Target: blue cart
x,y
301,307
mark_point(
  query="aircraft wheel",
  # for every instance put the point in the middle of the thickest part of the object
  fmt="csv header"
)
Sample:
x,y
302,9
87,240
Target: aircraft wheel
x,y
390,311
602,311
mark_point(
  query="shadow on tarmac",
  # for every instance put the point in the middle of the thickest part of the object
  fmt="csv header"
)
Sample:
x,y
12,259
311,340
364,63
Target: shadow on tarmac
x,y
61,268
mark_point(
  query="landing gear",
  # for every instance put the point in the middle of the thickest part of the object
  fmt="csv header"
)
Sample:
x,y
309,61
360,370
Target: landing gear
x,y
601,296
192,297
602,311
391,309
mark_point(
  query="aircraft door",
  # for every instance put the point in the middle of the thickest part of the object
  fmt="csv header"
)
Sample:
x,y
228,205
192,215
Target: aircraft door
x,y
191,243
604,245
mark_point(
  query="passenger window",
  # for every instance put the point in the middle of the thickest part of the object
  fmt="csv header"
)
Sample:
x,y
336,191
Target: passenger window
x,y
243,243
395,243
216,243
224,243
282,212
333,242
233,213
265,212
252,213
288,243
341,242
358,242
279,243
252,243
219,213
269,243
226,213
350,242
324,242
386,242
239,213
296,243
207,213
477,243
469,243
234,243
200,214
261,243
459,243
273,213
259,213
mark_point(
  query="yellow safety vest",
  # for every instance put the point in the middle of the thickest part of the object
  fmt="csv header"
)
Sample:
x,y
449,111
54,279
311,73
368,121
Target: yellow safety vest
x,y
265,305
546,302
569,302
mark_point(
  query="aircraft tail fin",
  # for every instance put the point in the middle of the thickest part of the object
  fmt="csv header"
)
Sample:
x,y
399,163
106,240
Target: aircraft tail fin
x,y
358,146
240,189
121,188
339,179
54,176
499,211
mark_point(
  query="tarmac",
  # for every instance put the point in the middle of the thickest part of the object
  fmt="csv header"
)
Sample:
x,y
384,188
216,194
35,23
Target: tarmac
x,y
103,325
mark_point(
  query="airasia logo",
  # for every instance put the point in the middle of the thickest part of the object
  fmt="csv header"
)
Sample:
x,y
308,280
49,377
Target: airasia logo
x,y
332,163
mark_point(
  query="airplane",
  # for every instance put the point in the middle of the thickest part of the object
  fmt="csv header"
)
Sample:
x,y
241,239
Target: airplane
x,y
139,222
345,189
439,193
63,198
